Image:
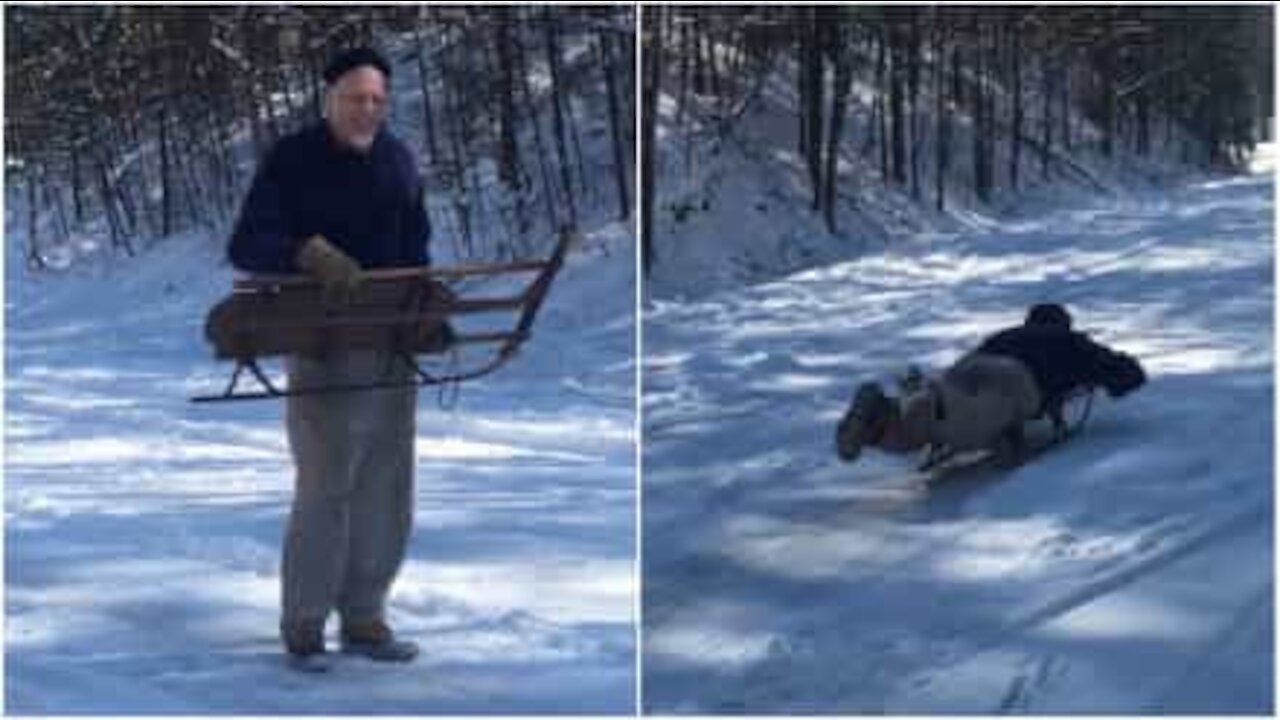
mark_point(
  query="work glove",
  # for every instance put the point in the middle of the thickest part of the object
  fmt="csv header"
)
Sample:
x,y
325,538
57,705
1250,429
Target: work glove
x,y
437,334
1124,375
339,275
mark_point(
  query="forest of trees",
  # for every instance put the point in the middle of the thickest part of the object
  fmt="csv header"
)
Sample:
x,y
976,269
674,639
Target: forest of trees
x,y
148,120
1026,88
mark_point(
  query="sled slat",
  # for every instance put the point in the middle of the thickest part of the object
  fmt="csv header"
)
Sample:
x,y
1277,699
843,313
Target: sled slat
x,y
263,282
478,305
406,320
257,346
489,337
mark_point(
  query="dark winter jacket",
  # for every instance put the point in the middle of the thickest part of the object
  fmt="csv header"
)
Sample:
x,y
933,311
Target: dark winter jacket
x,y
369,205
1062,360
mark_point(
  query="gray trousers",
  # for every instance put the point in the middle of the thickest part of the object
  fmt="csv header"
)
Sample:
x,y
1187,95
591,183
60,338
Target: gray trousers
x,y
985,395
353,494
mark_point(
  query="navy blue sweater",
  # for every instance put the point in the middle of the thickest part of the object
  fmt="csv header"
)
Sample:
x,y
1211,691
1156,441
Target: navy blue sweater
x,y
1062,360
369,205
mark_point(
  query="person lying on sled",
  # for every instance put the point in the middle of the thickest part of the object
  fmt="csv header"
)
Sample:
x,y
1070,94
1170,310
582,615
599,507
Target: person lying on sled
x,y
985,398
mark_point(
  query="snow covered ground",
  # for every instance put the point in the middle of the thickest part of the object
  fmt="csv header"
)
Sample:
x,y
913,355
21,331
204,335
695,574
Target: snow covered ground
x,y
1129,571
143,531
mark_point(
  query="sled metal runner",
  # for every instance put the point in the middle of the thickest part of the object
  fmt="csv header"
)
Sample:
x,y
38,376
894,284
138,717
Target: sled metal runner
x,y
404,312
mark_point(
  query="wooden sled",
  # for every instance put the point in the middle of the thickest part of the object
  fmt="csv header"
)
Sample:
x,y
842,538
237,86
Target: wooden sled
x,y
403,311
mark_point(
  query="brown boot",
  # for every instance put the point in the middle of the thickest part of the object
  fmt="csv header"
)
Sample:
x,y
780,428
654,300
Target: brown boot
x,y
864,422
375,640
304,642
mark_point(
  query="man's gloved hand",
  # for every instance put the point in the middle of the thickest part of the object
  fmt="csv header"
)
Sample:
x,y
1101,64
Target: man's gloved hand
x,y
1124,375
337,272
437,334
444,295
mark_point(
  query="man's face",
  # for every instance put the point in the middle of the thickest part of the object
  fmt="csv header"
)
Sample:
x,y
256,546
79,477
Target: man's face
x,y
356,105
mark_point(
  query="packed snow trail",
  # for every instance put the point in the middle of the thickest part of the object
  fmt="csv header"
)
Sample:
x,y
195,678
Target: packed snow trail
x,y
1127,571
143,531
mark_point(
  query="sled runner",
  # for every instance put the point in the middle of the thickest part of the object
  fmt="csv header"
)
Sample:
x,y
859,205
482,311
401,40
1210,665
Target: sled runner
x,y
404,311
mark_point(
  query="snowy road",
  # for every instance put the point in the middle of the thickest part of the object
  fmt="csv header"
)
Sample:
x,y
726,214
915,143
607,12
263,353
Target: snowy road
x,y
1129,571
143,531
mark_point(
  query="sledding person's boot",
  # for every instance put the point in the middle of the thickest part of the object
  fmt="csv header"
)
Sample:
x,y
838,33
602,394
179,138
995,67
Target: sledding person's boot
x,y
864,423
304,642
373,639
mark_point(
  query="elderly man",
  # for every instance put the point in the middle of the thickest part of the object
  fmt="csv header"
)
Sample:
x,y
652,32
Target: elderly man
x,y
332,200
984,400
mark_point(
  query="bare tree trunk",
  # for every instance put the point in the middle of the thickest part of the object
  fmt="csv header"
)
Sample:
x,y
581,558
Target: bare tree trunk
x,y
689,52
110,194
915,144
508,153
77,185
35,258
424,82
813,78
458,160
575,137
615,132
839,98
1015,141
980,122
128,210
1046,122
682,94
1142,107
531,110
261,138
703,86
802,83
224,117
881,122
942,116
273,123
648,110
1107,120
190,175
897,121
557,115
1065,106
53,196
713,63
166,191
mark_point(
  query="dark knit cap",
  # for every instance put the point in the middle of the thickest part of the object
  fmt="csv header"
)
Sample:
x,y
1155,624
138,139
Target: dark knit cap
x,y
1049,314
352,58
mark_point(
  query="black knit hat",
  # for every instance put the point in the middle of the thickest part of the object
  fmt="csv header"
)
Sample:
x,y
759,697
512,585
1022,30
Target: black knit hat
x,y
352,58
1049,314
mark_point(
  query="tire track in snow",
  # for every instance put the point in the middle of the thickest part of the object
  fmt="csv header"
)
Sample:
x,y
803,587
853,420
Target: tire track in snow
x,y
1234,524
1256,610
